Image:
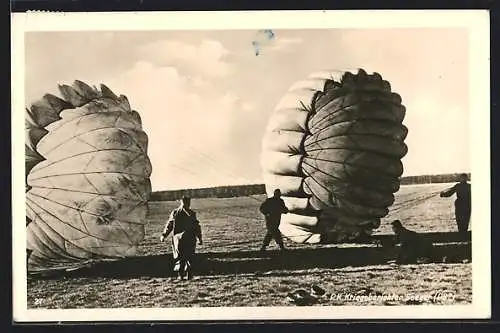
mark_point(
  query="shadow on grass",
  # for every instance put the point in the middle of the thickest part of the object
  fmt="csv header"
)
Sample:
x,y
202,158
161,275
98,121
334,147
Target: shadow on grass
x,y
244,262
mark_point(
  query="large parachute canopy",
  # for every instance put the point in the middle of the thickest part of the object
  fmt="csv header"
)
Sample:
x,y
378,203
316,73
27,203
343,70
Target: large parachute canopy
x,y
333,147
87,177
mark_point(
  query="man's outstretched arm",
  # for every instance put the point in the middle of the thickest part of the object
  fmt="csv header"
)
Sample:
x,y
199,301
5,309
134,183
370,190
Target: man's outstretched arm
x,y
449,192
169,226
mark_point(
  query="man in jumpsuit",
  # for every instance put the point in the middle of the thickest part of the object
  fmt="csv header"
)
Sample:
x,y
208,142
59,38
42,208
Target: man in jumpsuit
x,y
272,208
462,203
413,245
186,229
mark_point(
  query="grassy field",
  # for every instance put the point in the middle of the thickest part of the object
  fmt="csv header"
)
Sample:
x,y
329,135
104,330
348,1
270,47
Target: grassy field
x,y
232,273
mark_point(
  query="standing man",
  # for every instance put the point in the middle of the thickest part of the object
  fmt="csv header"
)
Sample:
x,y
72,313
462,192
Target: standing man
x,y
186,229
272,208
462,203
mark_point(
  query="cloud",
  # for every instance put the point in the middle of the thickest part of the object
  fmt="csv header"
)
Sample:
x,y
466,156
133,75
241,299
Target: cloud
x,y
440,144
283,43
190,127
206,59
214,95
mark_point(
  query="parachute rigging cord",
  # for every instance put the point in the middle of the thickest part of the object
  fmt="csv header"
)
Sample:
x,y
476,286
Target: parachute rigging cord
x,y
213,165
410,203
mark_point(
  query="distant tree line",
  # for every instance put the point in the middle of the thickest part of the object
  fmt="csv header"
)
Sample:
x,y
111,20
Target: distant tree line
x,y
431,179
257,189
210,192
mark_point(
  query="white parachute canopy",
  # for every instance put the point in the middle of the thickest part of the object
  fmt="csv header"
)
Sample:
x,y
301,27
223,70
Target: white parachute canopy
x,y
88,178
333,147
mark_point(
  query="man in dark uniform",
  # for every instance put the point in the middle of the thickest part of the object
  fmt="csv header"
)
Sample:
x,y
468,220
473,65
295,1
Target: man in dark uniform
x,y
462,203
413,245
272,208
186,229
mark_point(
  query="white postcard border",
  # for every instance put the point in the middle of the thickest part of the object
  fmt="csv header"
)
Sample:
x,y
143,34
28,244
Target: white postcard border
x,y
476,21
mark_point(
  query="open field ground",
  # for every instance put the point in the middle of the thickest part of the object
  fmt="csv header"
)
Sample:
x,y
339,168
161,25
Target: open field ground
x,y
231,272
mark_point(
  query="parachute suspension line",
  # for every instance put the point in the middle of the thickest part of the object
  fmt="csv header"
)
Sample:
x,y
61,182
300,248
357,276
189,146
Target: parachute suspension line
x,y
331,176
308,110
45,257
210,166
92,173
86,232
355,149
218,168
243,216
422,197
137,143
413,202
123,231
223,245
334,199
328,117
336,99
55,254
321,171
215,165
347,163
181,168
65,240
218,164
308,237
131,161
346,133
62,251
47,165
294,150
175,166
321,185
349,137
90,183
325,118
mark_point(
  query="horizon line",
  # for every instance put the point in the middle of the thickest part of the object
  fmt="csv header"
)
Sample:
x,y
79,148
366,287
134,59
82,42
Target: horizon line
x,y
260,183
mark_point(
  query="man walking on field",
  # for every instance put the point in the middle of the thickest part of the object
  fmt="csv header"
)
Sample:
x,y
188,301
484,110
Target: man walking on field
x,y
462,203
186,229
272,208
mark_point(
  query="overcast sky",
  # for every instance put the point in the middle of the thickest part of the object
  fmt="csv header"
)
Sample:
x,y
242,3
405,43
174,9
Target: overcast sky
x,y
205,97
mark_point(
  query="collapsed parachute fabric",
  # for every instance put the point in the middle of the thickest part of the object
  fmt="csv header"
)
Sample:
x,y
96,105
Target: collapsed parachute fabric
x,y
87,182
333,147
